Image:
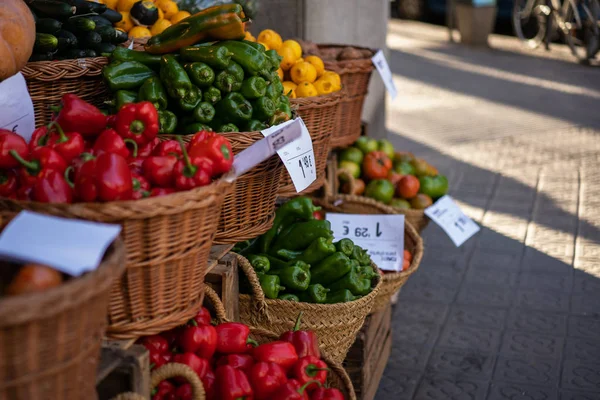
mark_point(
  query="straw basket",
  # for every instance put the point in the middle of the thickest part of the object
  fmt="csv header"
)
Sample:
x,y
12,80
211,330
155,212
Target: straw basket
x,y
167,240
355,75
248,210
319,115
336,325
48,81
50,341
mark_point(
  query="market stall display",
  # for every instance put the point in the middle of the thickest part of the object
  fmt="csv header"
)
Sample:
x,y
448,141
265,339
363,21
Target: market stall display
x,y
17,46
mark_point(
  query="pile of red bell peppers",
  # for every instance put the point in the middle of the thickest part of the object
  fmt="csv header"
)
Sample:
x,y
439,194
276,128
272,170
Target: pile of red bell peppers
x,y
86,156
232,366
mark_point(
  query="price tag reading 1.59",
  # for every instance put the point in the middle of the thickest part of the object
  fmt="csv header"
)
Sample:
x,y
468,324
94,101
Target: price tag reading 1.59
x,y
381,235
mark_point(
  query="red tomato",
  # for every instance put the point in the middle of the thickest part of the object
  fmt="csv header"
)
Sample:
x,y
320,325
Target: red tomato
x,y
359,187
394,177
376,165
408,187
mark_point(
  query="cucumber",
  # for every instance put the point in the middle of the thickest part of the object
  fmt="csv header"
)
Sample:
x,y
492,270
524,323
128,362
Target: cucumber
x,y
45,42
104,49
108,33
53,8
90,53
112,15
89,39
81,24
48,56
47,25
66,40
120,37
74,53
100,21
88,7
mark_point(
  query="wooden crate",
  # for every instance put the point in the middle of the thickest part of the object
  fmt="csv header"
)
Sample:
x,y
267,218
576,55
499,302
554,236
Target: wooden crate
x,y
124,367
222,276
369,354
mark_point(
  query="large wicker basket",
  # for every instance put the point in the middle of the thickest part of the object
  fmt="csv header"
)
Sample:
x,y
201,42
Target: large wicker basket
x,y
167,240
48,81
355,75
50,341
336,325
319,115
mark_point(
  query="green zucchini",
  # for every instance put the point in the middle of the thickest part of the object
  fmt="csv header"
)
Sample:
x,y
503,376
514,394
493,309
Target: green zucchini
x,y
100,20
81,24
90,39
66,40
107,33
120,37
45,42
87,7
104,49
74,53
53,8
47,25
112,15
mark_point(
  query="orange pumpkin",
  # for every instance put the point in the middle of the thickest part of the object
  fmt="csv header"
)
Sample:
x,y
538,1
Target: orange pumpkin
x,y
17,36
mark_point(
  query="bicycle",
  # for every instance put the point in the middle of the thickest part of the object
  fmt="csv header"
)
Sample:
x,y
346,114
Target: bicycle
x,y
576,20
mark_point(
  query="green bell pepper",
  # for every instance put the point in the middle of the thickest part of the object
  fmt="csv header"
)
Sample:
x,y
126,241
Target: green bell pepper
x,y
245,247
253,87
123,97
288,255
319,249
124,54
212,95
190,129
152,90
228,128
204,112
227,82
174,77
299,264
278,118
236,70
191,100
288,297
352,281
235,108
167,122
294,278
301,234
126,75
274,59
216,57
331,269
263,108
345,246
252,60
341,296
367,271
200,74
255,125
284,105
270,285
434,186
360,255
315,293
259,263
256,45
274,91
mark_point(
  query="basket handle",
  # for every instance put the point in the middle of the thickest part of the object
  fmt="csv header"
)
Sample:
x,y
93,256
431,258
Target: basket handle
x,y
258,296
342,172
214,299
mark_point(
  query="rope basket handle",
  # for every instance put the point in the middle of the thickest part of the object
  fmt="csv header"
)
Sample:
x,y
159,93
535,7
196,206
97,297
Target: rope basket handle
x,y
347,175
169,371
258,297
213,297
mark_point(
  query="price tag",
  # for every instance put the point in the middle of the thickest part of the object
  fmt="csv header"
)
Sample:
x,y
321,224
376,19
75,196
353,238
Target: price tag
x,y
384,71
381,235
16,108
447,214
298,157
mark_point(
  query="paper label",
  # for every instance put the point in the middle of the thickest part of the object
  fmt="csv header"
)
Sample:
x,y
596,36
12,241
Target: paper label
x,y
79,248
298,157
280,136
383,68
447,214
16,108
382,235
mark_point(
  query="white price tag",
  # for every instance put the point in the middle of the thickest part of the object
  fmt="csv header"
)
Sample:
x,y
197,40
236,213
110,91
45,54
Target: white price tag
x,y
446,213
16,108
298,157
79,247
384,71
382,235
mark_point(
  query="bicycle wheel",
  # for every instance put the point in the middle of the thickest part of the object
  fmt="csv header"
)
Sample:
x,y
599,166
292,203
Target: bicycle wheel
x,y
529,21
581,29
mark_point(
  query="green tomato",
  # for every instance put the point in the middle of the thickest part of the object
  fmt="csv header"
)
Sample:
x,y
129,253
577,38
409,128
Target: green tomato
x,y
433,186
366,144
387,147
404,168
381,190
352,167
400,203
352,154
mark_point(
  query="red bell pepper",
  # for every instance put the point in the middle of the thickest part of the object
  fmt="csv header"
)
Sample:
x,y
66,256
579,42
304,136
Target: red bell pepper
x,y
310,368
232,384
39,138
168,148
278,352
158,359
25,192
239,361
40,160
52,188
163,389
201,340
233,337
104,178
77,115
140,186
68,145
8,183
159,170
266,378
327,394
109,141
11,143
203,317
306,343
158,192
291,390
199,365
147,149
218,150
171,335
155,343
208,382
192,172
138,121
200,138
184,392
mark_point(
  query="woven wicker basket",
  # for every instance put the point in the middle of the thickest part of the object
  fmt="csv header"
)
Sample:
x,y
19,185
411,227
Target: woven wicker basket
x,y
319,115
50,341
48,81
248,210
336,325
355,75
167,240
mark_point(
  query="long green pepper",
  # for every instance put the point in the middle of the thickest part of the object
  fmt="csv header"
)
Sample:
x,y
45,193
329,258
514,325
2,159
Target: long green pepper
x,y
200,74
174,77
167,122
270,285
315,293
152,90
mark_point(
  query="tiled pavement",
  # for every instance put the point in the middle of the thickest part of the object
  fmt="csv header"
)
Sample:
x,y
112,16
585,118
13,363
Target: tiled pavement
x,y
515,312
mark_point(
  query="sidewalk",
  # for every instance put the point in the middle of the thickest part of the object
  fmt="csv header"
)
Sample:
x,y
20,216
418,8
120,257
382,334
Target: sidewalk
x,y
515,312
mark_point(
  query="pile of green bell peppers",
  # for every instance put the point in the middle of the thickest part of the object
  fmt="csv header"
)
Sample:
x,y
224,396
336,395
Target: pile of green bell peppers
x,y
297,259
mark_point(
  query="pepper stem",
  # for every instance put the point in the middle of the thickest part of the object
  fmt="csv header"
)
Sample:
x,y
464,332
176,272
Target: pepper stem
x,y
297,325
312,370
307,384
136,127
32,166
133,144
189,170
62,137
3,177
67,178
252,342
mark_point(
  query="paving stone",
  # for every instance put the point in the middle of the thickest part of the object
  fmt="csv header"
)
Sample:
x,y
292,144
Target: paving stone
x,y
542,300
449,388
581,376
495,259
491,240
461,363
409,355
546,281
493,276
583,349
534,344
519,391
485,295
418,333
477,316
465,337
570,395
427,290
399,384
535,261
421,311
583,282
537,321
527,369
583,326
587,304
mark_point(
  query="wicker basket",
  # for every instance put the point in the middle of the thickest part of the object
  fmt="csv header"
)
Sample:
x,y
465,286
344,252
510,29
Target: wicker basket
x,y
355,75
319,115
336,325
50,341
167,239
248,210
48,81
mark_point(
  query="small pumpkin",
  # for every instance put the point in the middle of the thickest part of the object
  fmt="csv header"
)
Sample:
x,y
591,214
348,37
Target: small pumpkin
x,y
144,13
17,36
